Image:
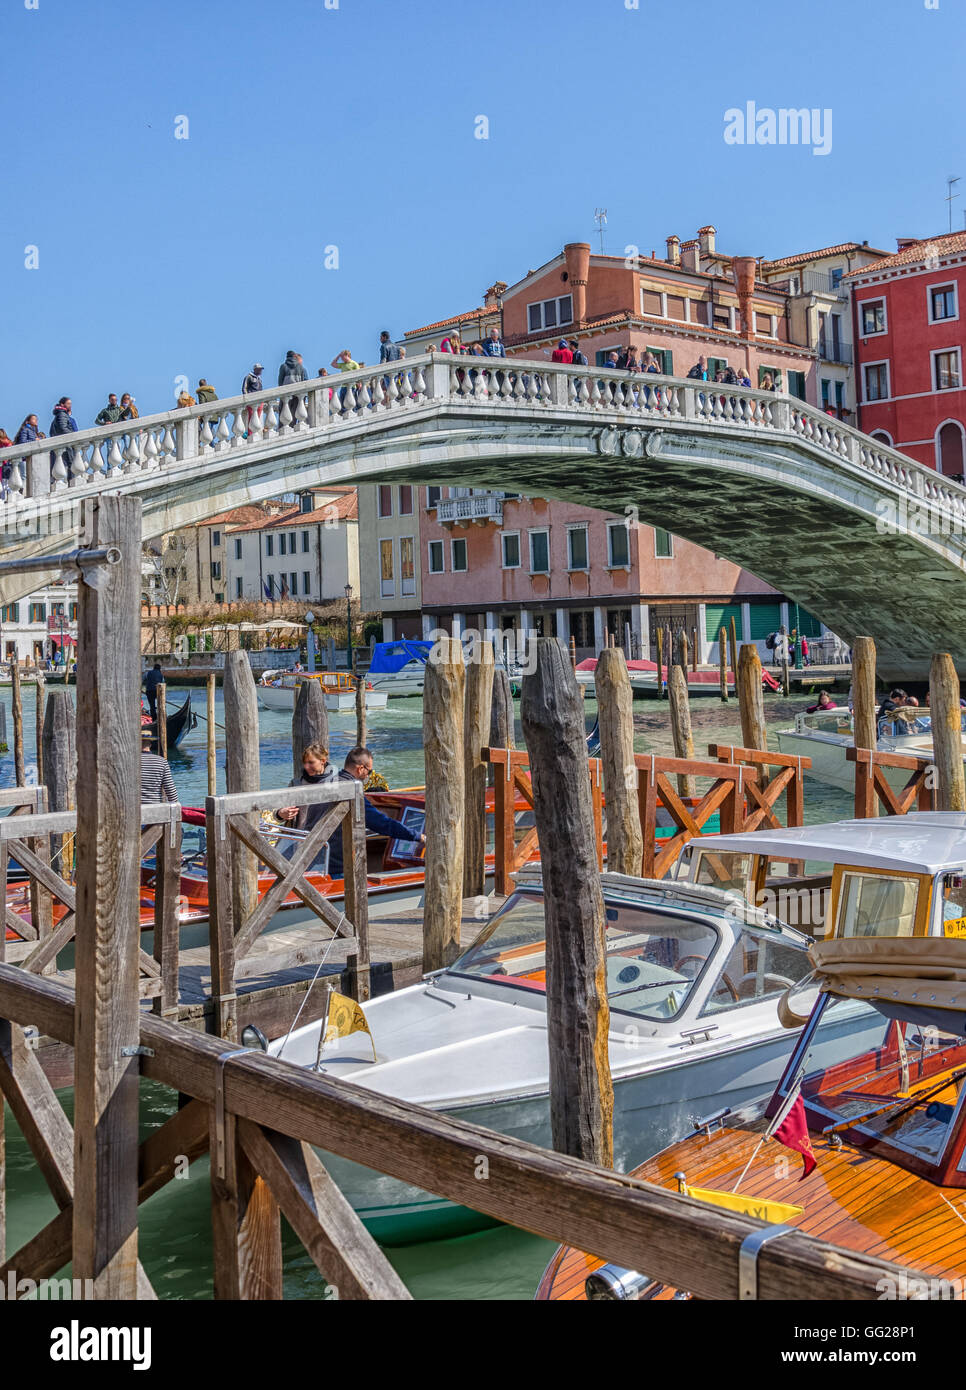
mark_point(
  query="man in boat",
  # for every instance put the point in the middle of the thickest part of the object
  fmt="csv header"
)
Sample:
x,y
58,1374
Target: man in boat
x,y
152,680
157,784
356,768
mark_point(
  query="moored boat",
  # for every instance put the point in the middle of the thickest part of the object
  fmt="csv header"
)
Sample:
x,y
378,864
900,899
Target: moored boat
x,y
279,690
824,735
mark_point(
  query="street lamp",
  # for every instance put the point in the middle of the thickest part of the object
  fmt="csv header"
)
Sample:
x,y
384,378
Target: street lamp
x,y
310,641
348,626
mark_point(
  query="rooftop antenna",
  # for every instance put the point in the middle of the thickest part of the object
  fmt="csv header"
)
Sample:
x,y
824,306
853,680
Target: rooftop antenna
x,y
600,217
950,195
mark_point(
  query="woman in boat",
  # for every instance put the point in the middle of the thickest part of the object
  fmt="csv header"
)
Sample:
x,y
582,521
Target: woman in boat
x,y
825,701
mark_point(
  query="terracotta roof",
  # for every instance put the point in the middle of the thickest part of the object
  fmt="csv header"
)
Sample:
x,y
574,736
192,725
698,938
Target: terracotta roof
x,y
455,319
823,251
236,516
949,244
346,507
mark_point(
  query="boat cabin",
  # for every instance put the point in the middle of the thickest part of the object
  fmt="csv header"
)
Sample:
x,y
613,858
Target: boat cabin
x,y
892,876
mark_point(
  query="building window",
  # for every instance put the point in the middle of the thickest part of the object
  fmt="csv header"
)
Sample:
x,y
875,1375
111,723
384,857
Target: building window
x,y
539,552
405,501
618,545
663,548
385,564
216,538
436,557
716,365
577,548
282,543
796,385
942,303
433,495
459,555
385,500
837,274
946,374
550,313
269,545
306,582
305,542
38,613
73,612
219,598
677,307
665,359
765,324
724,316
216,569
652,303
872,316
699,311
10,613
294,584
238,588
876,381
775,374
407,564
511,550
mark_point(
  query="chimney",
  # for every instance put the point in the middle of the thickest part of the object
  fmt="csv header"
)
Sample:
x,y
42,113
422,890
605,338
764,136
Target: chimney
x,y
743,269
492,298
577,254
706,240
674,250
902,242
689,255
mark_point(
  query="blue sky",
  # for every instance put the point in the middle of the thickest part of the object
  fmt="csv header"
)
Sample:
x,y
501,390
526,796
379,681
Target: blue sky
x,y
354,127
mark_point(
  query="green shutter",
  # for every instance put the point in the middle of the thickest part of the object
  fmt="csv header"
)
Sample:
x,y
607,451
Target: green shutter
x,y
665,358
718,616
716,364
796,384
765,618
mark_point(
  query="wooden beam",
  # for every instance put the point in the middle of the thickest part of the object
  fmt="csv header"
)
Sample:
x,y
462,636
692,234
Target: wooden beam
x,y
334,1237
476,726
247,932
443,701
108,913
578,1017
38,1112
302,889
356,895
167,896
947,738
615,700
310,722
246,1233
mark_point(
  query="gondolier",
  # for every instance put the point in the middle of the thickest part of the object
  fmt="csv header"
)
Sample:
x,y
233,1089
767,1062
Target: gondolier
x,y
157,784
152,680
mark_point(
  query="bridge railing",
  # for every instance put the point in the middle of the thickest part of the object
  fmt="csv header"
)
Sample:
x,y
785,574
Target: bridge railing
x,y
241,425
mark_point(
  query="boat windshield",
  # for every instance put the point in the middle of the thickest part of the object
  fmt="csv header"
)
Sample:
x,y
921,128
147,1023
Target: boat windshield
x,y
724,869
653,958
834,720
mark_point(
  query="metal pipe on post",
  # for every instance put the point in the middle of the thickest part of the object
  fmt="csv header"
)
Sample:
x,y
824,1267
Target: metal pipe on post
x,y
16,700
476,724
162,719
947,737
310,722
212,765
723,664
444,693
107,1019
680,712
578,1015
615,700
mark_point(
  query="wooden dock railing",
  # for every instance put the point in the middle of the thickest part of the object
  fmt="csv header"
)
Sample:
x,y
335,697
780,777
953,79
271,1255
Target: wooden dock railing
x,y
726,795
871,785
762,797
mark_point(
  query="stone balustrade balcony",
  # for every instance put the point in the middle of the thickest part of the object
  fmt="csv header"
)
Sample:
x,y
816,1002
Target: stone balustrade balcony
x,y
469,511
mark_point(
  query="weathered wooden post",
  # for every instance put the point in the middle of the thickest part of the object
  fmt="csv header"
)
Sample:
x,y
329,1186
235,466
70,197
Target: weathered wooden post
x,y
476,726
864,723
733,643
750,702
241,775
16,700
669,655
573,652
681,653
786,679
615,700
723,664
694,650
162,719
39,726
947,738
107,1023
212,764
501,713
680,712
660,662
578,1016
361,711
443,704
310,722
59,738
4,746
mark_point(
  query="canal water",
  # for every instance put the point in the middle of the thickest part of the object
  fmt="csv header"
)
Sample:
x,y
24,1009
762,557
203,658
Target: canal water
x,y
175,1242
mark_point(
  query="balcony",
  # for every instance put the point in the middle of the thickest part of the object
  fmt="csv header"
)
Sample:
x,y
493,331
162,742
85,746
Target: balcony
x,y
477,510
835,352
820,282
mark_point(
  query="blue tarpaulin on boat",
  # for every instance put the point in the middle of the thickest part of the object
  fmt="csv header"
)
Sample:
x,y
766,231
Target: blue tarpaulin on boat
x,y
390,657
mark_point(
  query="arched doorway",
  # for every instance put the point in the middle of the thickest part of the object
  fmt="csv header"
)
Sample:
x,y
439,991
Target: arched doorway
x,y
882,436
950,457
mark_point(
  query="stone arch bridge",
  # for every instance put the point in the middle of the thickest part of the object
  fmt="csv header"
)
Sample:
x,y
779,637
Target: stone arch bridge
x,y
865,537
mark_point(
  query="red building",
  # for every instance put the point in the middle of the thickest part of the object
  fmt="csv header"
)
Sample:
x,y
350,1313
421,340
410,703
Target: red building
x,y
908,331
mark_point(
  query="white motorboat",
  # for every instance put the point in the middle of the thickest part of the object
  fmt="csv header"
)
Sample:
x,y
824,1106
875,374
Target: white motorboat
x,y
824,735
279,690
694,979
398,668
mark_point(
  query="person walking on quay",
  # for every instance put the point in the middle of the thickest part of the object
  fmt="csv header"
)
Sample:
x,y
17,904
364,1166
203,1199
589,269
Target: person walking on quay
x,y
63,422
157,784
356,768
152,680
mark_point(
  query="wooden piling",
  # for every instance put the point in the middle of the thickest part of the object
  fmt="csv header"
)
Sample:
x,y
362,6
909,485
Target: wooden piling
x,y
310,722
501,711
694,651
107,1023
863,692
16,700
476,726
786,678
241,775
947,738
212,764
443,704
361,711
750,703
59,739
615,700
723,664
680,712
578,1015
733,643
681,652
162,719
573,652
39,726
660,661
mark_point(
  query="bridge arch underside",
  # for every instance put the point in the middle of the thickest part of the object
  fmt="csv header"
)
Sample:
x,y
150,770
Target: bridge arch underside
x,y
816,528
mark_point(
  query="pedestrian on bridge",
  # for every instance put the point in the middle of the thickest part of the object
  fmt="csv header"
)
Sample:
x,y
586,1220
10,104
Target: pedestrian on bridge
x,y
290,373
562,353
63,422
493,347
388,352
205,392
580,358
251,384
110,414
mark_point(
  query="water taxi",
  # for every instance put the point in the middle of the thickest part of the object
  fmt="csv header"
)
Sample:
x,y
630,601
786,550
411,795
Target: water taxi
x,y
878,1163
824,735
279,690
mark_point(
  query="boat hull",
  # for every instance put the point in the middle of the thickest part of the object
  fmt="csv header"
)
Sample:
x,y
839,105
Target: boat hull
x,y
283,698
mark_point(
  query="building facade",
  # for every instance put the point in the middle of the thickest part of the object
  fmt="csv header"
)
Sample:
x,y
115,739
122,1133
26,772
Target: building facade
x,y
908,322
390,573
41,626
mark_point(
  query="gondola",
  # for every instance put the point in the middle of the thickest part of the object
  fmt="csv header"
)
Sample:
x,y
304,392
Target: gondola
x,y
178,722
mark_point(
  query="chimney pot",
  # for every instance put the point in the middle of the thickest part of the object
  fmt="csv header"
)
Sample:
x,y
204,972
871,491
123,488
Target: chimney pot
x,y
706,237
674,250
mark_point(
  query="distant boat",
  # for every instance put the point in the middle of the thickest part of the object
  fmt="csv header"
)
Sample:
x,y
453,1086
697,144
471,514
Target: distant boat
x,y
279,690
399,668
178,723
824,735
644,677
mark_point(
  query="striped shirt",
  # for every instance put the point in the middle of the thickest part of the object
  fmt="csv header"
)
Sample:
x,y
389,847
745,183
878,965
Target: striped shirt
x,y
157,784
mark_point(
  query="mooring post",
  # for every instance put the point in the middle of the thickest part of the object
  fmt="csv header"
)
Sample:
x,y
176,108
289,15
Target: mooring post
x,y
733,643
947,737
476,726
361,732
241,775
212,765
310,722
680,712
39,726
723,664
681,655
751,706
660,661
162,719
615,700
501,718
863,692
16,700
578,1015
107,1023
694,650
59,737
786,678
443,702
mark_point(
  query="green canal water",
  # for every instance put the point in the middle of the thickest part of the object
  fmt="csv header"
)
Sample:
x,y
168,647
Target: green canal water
x,y
175,1241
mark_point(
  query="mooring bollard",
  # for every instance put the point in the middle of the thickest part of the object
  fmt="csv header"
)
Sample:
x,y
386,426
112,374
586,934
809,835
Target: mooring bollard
x,y
615,698
443,711
476,727
947,738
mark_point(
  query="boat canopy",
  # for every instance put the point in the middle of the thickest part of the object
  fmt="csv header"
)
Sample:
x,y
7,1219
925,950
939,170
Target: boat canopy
x,y
919,979
390,657
923,842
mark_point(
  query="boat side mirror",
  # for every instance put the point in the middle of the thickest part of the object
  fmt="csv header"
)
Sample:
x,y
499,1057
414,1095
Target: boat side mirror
x,y
254,1038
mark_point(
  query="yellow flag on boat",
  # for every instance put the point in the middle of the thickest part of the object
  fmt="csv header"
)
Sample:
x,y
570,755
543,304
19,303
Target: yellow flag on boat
x,y
777,1212
342,1017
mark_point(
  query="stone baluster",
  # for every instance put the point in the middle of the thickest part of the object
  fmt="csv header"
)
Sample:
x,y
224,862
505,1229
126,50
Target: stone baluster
x,y
169,448
596,396
301,415
59,472
114,459
238,428
223,433
149,457
78,469
419,385
205,436
519,390
583,393
15,482
533,389
132,455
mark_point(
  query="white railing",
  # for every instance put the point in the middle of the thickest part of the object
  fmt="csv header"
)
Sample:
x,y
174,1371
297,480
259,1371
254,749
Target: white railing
x,y
479,507
273,422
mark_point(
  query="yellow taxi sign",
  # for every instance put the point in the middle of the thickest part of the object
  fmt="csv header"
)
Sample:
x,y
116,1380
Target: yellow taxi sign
x,y
776,1212
954,926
